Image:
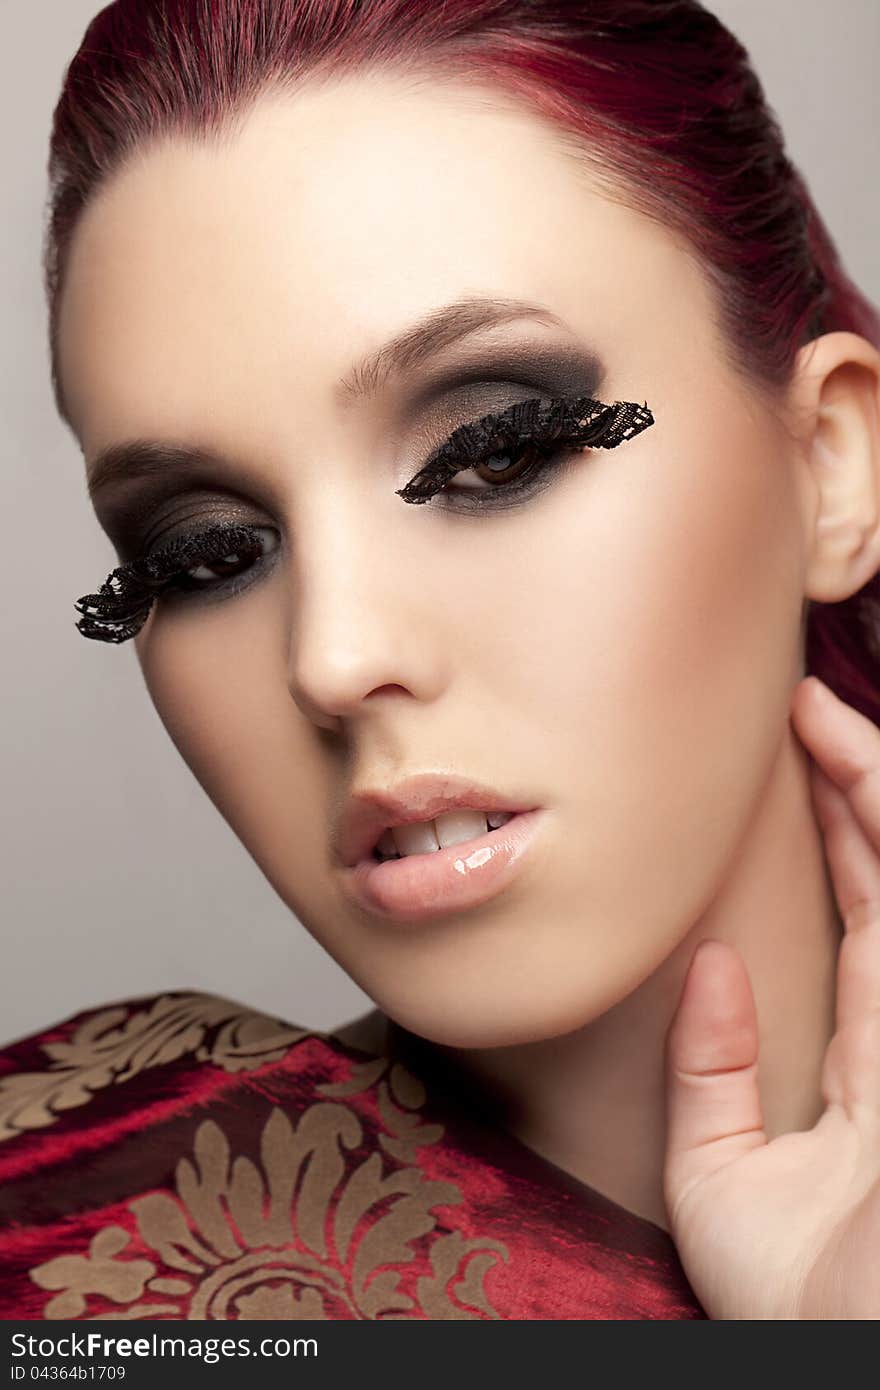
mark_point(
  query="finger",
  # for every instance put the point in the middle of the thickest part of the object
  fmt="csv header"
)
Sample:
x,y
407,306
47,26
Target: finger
x,y
851,1076
854,864
713,1105
853,859
851,1071
845,745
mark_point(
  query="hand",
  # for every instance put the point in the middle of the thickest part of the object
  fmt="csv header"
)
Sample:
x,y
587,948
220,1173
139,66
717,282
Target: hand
x,y
787,1228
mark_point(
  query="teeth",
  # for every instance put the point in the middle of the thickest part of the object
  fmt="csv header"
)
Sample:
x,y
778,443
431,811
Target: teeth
x,y
417,838
454,827
451,828
386,845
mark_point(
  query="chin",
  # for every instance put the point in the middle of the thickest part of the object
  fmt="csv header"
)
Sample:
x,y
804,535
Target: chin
x,y
492,1016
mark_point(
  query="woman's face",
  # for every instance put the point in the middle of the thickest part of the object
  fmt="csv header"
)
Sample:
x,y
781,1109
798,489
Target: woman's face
x,y
616,648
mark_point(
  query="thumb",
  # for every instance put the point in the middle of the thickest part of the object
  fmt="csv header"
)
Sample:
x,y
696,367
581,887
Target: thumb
x,y
713,1105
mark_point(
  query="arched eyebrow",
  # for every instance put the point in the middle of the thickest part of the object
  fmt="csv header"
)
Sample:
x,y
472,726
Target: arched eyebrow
x,y
408,350
437,330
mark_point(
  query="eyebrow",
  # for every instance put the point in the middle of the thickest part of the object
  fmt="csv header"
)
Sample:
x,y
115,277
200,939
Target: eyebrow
x,y
403,353
437,330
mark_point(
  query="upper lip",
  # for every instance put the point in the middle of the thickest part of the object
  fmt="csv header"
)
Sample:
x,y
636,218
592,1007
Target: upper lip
x,y
369,812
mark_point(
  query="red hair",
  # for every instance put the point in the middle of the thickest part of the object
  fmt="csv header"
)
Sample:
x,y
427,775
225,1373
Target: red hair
x,y
657,96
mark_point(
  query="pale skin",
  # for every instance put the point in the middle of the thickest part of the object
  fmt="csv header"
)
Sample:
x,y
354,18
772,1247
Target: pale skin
x,y
659,618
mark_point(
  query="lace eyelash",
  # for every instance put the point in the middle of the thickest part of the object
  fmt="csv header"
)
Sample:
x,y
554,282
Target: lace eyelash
x,y
581,422
121,607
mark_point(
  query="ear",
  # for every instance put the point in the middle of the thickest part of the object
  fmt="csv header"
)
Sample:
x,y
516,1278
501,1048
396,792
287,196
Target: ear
x,y
836,392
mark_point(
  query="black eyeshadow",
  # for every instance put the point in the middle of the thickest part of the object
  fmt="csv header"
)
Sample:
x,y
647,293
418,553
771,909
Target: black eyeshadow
x,y
552,370
128,508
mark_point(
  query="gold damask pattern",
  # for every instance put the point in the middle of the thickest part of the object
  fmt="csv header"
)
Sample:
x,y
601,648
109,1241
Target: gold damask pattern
x,y
308,1231
300,1235
115,1044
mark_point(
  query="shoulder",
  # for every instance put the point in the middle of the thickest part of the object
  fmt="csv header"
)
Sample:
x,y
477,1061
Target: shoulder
x,y
190,1120
184,1155
66,1065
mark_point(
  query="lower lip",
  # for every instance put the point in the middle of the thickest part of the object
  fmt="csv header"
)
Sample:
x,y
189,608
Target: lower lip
x,y
420,886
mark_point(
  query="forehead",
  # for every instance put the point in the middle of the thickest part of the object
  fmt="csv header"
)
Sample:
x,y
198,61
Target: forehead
x,y
253,269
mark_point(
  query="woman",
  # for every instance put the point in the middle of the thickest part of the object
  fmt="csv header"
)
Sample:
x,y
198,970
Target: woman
x,y
310,265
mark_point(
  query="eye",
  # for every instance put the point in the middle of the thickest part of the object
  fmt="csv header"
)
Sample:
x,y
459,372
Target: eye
x,y
218,572
179,571
512,466
508,452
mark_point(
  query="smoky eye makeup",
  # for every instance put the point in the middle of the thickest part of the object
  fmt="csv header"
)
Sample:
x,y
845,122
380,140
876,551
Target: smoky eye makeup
x,y
122,605
132,484
516,447
511,455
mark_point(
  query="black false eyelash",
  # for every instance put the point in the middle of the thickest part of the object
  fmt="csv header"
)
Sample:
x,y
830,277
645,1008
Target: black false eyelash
x,y
122,605
580,422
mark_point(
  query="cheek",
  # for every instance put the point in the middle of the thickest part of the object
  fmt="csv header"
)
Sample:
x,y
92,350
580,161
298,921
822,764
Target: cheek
x,y
227,709
662,619
664,627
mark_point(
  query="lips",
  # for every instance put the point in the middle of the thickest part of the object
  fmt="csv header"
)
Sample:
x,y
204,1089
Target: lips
x,y
462,877
371,811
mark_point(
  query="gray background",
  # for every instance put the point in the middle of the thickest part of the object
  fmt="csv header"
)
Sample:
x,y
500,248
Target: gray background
x,y
119,876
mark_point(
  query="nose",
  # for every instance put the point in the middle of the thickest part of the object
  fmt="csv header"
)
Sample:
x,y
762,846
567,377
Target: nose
x,y
360,624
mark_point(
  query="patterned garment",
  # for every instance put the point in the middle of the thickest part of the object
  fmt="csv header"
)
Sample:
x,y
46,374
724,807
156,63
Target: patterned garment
x,y
183,1157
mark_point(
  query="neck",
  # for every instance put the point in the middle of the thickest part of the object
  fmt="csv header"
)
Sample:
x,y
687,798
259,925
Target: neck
x,y
593,1101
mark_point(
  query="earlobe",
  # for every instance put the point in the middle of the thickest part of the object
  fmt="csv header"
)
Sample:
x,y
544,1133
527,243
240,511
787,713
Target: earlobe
x,y
839,388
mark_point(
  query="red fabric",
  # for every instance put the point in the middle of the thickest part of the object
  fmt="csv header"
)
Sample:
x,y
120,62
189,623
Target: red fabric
x,y
180,1156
